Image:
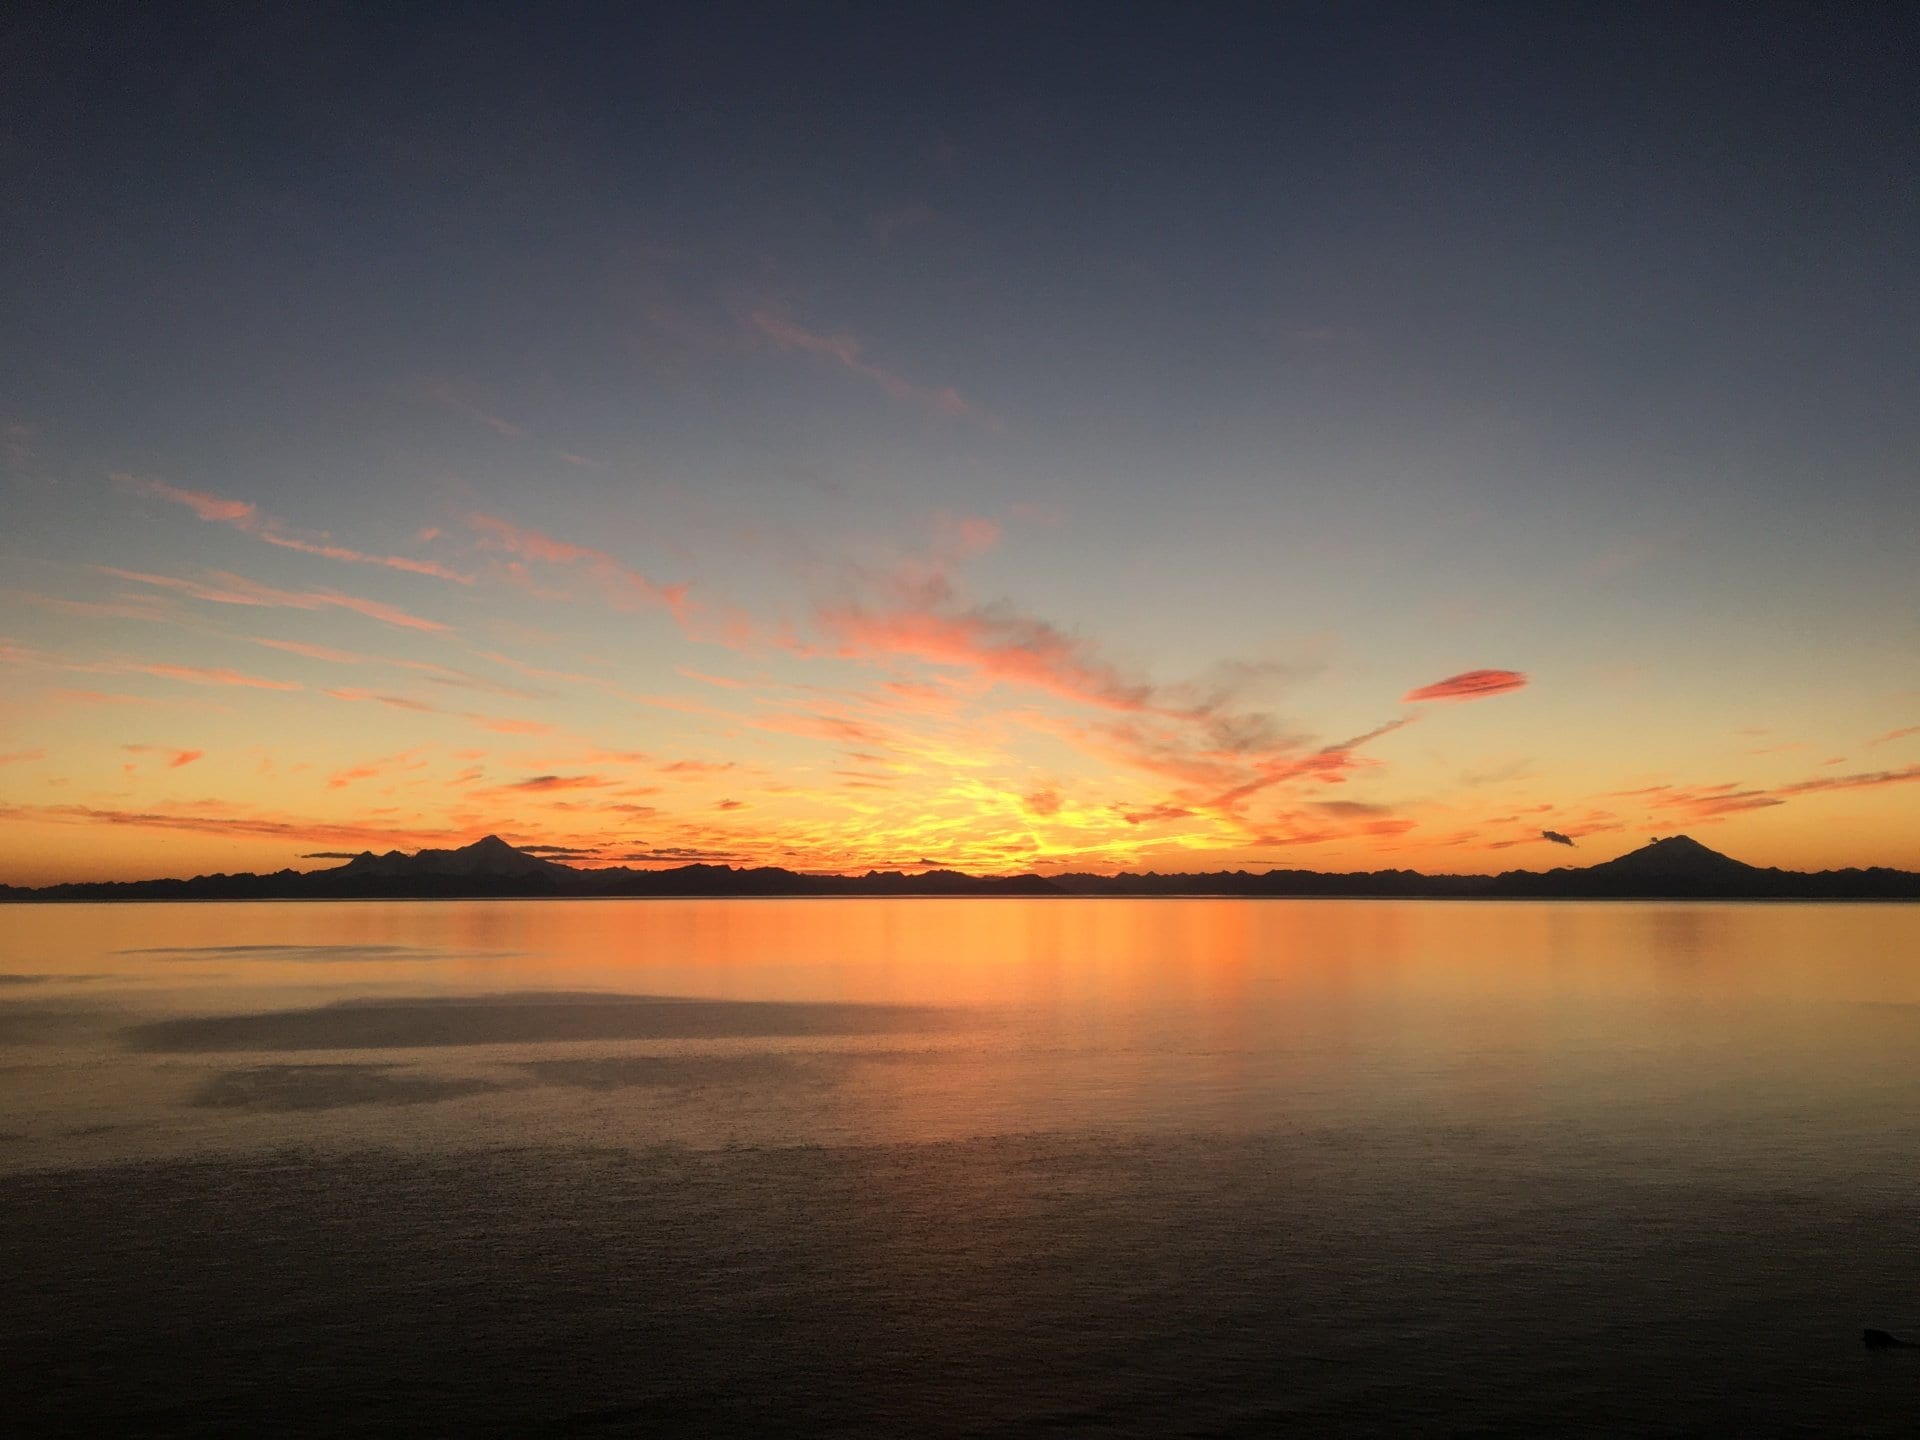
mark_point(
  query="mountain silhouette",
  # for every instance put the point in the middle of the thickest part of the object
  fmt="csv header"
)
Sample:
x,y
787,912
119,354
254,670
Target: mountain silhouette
x,y
490,858
1677,867
1679,857
1680,867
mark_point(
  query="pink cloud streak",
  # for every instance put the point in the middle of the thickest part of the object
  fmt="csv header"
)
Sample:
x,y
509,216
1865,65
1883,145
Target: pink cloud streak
x,y
1468,685
221,588
247,518
176,759
623,587
192,674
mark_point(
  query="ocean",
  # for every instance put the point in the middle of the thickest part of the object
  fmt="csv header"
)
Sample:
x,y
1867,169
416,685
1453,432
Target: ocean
x,y
979,1167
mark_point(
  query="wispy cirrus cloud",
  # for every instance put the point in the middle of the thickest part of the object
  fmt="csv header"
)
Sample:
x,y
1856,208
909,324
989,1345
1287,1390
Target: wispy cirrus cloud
x,y
498,724
996,643
1468,685
380,768
208,675
1701,802
157,609
547,783
1712,802
102,698
1325,765
238,821
22,757
1865,780
697,767
175,759
247,518
719,682
460,399
330,551
668,856
312,652
223,588
845,350
214,508
621,586
435,674
189,674
914,610
563,677
1233,795
1351,809
457,679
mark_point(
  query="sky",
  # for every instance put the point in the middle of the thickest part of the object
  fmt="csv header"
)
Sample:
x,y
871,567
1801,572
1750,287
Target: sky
x,y
1063,437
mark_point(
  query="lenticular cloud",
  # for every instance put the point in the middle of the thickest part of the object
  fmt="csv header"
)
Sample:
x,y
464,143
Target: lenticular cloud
x,y
1468,685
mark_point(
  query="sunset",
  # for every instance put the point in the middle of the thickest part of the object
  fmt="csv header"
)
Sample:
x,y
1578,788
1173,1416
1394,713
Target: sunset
x,y
1001,494
546,463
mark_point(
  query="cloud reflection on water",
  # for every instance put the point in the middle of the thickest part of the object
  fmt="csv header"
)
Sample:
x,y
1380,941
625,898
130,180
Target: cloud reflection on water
x,y
312,952
521,1018
673,1072
330,1087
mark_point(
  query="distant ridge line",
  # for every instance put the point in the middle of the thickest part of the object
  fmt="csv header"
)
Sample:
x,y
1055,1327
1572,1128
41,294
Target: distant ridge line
x,y
1674,868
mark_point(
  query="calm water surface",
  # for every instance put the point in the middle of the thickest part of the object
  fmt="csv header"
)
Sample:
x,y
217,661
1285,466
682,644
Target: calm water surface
x,y
971,1167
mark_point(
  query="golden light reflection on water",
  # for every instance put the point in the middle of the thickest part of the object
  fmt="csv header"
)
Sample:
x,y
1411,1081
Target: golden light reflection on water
x,y
1046,1015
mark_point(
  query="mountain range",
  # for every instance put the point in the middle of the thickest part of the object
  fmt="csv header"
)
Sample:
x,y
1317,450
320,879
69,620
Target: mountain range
x,y
1674,868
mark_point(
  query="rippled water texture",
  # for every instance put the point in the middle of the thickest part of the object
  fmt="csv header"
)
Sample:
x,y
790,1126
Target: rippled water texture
x,y
973,1167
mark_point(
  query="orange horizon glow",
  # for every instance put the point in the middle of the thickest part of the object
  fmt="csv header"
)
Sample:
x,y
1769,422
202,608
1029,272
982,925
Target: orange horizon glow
x,y
901,725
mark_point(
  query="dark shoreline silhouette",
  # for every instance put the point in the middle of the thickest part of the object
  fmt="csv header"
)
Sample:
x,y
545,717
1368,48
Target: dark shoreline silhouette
x,y
1677,868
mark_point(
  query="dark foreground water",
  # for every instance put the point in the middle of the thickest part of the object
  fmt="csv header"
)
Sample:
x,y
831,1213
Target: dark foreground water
x,y
959,1168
